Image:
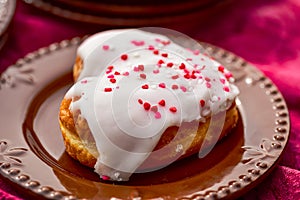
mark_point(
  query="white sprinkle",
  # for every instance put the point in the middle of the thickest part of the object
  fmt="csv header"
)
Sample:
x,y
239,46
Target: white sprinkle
x,y
179,148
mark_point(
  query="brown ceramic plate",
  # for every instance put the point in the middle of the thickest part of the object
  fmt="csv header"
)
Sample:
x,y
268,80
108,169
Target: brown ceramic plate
x,y
32,153
132,13
7,10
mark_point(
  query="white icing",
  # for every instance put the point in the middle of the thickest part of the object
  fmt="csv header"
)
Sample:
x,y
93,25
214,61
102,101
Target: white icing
x,y
124,130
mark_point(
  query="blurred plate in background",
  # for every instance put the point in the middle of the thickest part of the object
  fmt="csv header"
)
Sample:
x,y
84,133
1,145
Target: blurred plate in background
x,y
132,12
7,10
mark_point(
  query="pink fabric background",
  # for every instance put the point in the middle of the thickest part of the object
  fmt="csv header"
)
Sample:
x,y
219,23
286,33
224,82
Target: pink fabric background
x,y
264,32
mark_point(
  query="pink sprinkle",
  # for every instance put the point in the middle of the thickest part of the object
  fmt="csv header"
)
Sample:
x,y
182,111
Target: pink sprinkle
x,y
141,67
145,86
136,69
166,42
112,80
84,81
183,88
140,101
126,73
164,55
208,85
175,77
173,109
170,64
147,106
196,52
151,47
174,87
162,85
105,178
138,43
155,71
124,57
226,88
189,59
143,76
162,102
202,103
154,109
221,68
107,89
111,76
157,115
222,80
105,47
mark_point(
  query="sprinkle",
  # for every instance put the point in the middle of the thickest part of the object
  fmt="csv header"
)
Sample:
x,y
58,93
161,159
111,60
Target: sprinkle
x,y
105,178
196,52
140,101
154,109
228,75
117,73
174,87
160,62
156,52
84,81
126,73
166,42
157,115
222,80
182,66
170,64
202,103
208,85
138,43
164,55
226,88
221,69
187,76
173,109
151,47
162,102
193,76
207,79
189,59
136,69
105,47
155,71
162,85
111,76
112,80
107,89
143,76
183,88
179,148
124,57
145,86
110,67
141,67
147,106
175,77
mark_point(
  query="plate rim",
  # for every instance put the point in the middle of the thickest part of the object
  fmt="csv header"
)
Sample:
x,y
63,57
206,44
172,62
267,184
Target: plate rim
x,y
259,172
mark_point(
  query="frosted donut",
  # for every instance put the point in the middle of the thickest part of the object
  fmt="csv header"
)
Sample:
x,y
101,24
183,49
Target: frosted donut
x,y
141,102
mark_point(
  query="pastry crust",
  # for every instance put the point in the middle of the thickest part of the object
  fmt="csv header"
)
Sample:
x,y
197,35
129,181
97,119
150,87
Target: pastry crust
x,y
86,153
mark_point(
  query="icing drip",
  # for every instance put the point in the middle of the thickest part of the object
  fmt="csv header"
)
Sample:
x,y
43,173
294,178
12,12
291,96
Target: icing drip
x,y
136,84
